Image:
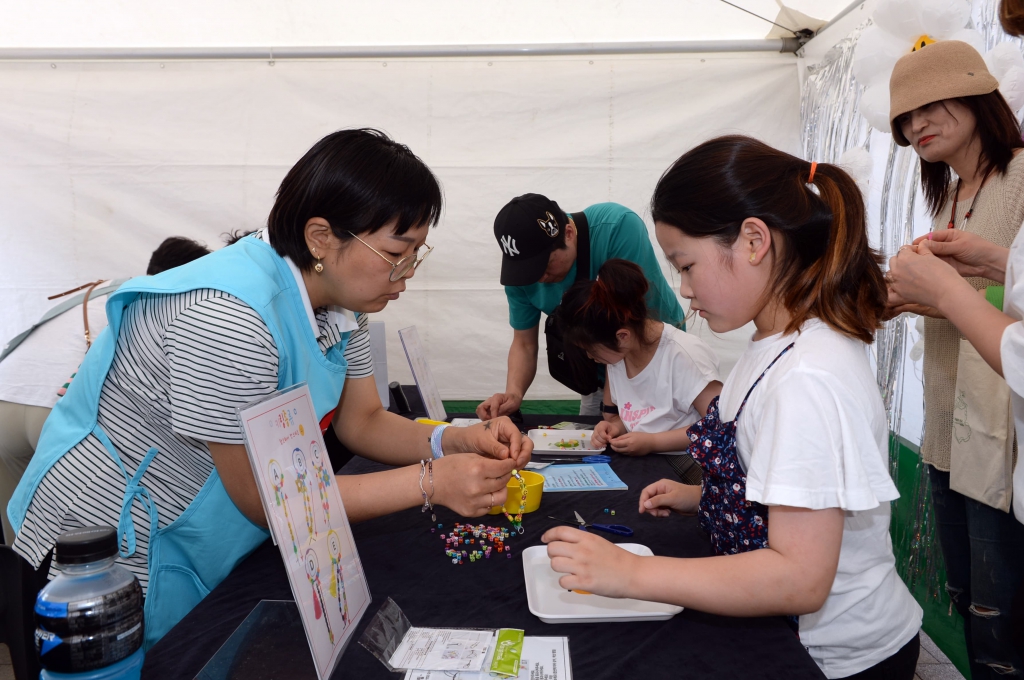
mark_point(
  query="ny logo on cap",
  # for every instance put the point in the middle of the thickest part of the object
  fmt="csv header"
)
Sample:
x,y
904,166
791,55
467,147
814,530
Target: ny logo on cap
x,y
508,244
550,225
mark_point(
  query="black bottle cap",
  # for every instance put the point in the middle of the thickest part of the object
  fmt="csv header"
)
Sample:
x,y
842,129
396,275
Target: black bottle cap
x,y
89,544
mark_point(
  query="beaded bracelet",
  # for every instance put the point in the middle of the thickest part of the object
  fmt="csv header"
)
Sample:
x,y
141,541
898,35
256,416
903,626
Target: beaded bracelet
x,y
425,467
517,521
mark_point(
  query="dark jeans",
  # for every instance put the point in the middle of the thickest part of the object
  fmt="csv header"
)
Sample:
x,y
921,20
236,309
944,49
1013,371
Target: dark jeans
x,y
900,666
984,553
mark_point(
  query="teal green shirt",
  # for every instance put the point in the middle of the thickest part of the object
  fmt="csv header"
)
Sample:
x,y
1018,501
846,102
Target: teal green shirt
x,y
615,232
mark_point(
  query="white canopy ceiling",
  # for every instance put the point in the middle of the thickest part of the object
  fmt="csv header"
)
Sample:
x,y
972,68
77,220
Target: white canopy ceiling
x,y
231,23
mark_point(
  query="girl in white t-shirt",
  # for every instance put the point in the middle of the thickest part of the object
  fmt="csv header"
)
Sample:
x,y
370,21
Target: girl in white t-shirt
x,y
796,487
660,378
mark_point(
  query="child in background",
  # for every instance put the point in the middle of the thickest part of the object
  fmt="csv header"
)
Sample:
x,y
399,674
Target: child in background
x,y
660,377
796,488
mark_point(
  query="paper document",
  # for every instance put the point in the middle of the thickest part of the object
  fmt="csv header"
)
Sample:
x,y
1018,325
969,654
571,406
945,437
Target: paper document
x,y
594,477
544,658
442,649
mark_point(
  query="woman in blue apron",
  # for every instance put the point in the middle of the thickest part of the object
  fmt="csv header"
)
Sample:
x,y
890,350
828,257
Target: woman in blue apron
x,y
147,439
796,490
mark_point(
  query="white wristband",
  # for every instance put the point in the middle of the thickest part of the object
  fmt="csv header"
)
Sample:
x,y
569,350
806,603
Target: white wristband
x,y
435,441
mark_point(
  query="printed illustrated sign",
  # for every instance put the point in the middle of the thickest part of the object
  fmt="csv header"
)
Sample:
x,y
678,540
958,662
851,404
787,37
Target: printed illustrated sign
x,y
307,519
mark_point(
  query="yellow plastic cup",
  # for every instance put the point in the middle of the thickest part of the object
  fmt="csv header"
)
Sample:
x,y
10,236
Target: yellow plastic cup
x,y
534,490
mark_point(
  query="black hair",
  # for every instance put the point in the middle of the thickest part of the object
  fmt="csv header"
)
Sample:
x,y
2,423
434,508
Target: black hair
x,y
592,312
563,221
174,252
230,238
358,181
824,267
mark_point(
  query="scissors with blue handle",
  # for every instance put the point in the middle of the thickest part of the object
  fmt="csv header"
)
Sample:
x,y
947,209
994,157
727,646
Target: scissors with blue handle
x,y
617,529
599,458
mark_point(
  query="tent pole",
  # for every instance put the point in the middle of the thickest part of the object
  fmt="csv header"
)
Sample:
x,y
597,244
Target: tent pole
x,y
849,8
788,45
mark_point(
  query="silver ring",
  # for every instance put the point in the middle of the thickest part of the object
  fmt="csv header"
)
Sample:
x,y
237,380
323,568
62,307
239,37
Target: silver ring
x,y
492,500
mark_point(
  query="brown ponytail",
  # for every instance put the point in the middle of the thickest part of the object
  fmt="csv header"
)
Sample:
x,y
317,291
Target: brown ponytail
x,y
824,267
1011,16
592,312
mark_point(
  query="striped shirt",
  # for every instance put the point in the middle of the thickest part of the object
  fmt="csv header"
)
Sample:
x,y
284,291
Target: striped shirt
x,y
182,364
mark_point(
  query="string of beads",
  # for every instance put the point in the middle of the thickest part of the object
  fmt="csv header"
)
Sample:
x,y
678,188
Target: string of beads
x,y
517,521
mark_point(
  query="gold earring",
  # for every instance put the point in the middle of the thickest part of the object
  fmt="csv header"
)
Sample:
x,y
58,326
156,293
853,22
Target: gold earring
x,y
753,256
319,267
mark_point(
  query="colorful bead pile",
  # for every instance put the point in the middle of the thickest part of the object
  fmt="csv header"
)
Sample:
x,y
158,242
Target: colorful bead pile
x,y
517,521
472,542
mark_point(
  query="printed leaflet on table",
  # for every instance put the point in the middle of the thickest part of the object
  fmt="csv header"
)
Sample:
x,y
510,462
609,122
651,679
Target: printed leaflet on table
x,y
443,649
593,477
543,658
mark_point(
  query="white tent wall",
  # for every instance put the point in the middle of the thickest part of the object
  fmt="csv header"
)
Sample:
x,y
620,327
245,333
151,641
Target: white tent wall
x,y
102,160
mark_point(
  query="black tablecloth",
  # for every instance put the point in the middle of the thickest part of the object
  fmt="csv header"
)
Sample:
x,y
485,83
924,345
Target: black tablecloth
x,y
405,561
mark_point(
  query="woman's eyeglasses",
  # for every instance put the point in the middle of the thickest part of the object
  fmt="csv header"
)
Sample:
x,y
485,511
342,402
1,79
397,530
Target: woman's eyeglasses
x,y
403,266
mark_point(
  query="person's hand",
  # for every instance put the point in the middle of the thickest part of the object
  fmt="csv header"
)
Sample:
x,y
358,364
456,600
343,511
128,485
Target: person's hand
x,y
604,432
633,444
896,305
590,562
498,438
969,254
920,278
500,404
469,484
665,496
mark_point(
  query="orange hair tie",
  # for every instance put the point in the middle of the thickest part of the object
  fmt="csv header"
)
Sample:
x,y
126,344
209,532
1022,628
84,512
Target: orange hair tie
x,y
810,178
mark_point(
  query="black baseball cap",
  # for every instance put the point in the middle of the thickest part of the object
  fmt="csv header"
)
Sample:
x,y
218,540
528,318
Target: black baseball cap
x,y
527,229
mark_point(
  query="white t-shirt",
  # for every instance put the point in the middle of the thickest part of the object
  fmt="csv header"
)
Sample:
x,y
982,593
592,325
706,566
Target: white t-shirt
x,y
660,397
814,435
1011,351
44,361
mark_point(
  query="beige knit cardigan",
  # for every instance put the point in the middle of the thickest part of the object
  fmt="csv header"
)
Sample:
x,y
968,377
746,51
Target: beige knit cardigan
x,y
997,217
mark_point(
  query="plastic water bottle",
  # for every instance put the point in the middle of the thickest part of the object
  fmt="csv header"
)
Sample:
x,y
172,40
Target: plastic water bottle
x,y
89,619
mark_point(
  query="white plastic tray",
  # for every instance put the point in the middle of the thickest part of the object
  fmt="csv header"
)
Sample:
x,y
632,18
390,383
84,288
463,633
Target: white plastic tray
x,y
544,441
552,603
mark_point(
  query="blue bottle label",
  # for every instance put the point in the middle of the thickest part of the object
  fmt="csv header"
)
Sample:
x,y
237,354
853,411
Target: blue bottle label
x,y
45,641
51,610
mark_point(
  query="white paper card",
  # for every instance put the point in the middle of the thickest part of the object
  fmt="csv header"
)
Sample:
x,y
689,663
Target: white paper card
x,y
466,422
307,518
544,658
443,649
421,372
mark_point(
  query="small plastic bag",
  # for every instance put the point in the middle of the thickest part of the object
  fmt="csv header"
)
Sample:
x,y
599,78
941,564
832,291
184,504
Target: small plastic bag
x,y
386,631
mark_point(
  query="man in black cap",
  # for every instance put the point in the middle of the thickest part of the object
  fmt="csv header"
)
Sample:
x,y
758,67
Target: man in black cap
x,y
540,244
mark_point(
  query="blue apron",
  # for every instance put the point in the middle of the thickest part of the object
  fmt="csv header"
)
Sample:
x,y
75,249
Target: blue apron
x,y
190,556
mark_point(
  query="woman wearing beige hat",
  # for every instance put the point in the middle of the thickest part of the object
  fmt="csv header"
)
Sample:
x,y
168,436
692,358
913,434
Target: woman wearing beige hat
x,y
946,104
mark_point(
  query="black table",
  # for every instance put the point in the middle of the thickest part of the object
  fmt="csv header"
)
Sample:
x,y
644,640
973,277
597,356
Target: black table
x,y
404,560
